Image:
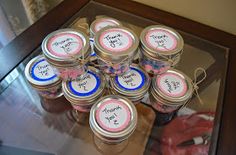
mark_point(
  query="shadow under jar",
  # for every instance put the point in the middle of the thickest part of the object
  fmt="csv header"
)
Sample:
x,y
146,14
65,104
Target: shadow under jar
x,y
67,50
115,48
112,119
161,48
40,75
133,84
169,92
85,91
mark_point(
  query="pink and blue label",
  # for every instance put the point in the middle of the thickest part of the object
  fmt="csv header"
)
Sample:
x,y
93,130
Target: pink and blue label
x,y
87,85
134,79
42,71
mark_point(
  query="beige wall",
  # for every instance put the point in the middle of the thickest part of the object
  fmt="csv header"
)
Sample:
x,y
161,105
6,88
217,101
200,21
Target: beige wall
x,y
220,14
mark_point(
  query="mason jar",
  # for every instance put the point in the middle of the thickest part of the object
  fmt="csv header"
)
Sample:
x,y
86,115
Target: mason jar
x,y
170,91
97,25
68,51
103,22
115,48
85,91
133,84
113,119
39,73
161,48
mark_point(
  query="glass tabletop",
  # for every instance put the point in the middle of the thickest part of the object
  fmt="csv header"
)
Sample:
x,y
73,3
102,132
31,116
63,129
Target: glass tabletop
x,y
43,126
17,16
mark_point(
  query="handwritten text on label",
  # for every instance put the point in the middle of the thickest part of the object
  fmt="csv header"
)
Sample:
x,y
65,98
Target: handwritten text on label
x,y
113,115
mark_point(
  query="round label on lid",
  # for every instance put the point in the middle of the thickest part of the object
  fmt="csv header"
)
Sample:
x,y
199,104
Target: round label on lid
x,y
132,80
42,71
104,23
65,44
113,115
115,40
172,84
161,40
85,86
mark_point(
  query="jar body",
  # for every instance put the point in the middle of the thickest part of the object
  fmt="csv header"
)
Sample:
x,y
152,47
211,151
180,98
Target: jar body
x,y
107,147
116,69
70,73
82,108
162,107
135,100
153,66
50,92
84,105
165,113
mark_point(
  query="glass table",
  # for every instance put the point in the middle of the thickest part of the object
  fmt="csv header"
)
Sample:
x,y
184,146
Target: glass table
x,y
34,125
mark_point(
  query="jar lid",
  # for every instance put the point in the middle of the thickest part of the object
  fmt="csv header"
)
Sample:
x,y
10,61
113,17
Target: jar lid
x,y
113,117
133,83
87,88
173,86
100,23
64,46
115,44
161,40
40,73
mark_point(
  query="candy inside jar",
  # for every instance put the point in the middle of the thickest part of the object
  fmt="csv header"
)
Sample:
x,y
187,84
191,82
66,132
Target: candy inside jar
x,y
40,75
115,69
112,119
68,51
161,48
115,48
170,91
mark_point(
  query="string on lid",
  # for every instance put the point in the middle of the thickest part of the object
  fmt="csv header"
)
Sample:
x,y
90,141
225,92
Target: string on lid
x,y
195,83
170,59
109,63
80,59
109,89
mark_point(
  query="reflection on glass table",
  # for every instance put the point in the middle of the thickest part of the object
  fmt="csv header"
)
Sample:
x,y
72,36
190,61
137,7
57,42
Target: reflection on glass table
x,y
17,16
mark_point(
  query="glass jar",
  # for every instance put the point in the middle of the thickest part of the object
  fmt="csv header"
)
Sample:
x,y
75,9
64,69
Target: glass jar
x,y
161,48
67,50
40,75
170,91
97,25
112,119
133,84
115,48
102,22
85,91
